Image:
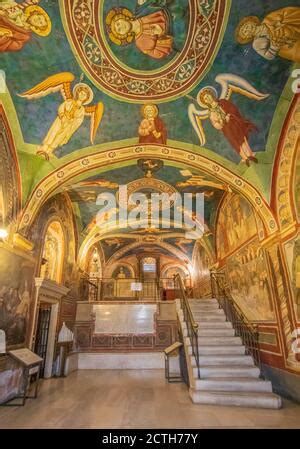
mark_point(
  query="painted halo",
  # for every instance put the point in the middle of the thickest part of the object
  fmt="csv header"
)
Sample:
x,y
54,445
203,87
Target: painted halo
x,y
85,27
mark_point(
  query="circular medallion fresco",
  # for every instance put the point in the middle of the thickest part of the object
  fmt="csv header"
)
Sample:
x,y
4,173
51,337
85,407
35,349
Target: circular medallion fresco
x,y
141,50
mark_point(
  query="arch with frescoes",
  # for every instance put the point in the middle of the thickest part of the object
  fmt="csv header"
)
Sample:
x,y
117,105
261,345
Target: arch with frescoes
x,y
53,252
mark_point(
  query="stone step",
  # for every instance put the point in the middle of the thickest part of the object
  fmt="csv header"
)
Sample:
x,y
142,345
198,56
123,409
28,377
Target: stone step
x,y
208,332
227,375
227,359
200,313
204,302
219,350
213,306
217,340
210,317
215,325
207,311
234,384
239,399
227,371
215,336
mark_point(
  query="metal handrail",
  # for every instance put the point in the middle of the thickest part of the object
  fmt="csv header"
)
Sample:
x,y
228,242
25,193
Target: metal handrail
x,y
223,288
247,331
93,288
192,326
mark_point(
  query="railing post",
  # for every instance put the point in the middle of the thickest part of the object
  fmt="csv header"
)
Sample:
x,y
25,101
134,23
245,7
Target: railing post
x,y
192,326
212,284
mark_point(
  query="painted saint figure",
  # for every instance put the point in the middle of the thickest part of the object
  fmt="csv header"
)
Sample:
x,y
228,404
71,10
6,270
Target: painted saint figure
x,y
152,129
224,115
23,307
121,274
71,113
18,21
277,35
150,28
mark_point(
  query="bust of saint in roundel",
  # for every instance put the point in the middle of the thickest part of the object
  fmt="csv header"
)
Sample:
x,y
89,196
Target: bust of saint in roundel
x,y
149,28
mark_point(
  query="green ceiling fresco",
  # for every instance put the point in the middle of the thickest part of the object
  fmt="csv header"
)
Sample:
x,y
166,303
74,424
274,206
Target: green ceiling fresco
x,y
85,193
113,244
43,57
148,248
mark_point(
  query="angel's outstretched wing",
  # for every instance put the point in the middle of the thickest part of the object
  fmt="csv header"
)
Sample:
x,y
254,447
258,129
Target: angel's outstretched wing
x,y
235,84
55,83
96,113
196,117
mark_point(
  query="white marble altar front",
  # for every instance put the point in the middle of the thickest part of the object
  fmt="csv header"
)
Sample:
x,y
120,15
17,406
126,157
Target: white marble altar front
x,y
124,318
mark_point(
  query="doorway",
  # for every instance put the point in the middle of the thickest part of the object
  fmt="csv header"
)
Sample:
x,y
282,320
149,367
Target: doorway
x,y
149,272
42,333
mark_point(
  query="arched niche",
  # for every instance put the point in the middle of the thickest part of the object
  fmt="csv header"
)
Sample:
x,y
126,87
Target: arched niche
x,y
58,209
53,252
113,270
94,263
170,270
122,271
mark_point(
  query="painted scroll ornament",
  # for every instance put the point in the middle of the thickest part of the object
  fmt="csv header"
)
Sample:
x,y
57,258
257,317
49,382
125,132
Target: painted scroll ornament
x,y
100,31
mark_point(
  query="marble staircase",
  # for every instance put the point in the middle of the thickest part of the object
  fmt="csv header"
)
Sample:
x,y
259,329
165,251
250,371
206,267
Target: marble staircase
x,y
227,375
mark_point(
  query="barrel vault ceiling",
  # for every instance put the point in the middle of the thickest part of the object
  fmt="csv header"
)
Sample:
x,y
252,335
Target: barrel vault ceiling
x,y
196,46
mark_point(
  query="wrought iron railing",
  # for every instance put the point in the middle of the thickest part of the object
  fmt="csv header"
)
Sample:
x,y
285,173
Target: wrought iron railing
x,y
106,289
89,289
247,331
192,326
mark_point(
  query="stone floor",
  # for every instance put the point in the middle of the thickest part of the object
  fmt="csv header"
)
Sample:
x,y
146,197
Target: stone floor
x,y
133,399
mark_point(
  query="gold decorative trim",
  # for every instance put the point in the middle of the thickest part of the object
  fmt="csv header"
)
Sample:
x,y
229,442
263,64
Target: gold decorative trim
x,y
22,243
59,177
283,172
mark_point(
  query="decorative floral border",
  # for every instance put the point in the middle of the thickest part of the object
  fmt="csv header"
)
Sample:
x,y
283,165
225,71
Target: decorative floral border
x,y
85,30
282,187
59,177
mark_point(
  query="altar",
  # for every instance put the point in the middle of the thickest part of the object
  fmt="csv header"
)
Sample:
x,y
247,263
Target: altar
x,y
125,318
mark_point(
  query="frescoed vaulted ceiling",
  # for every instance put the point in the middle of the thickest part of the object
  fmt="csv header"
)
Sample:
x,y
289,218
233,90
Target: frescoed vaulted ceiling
x,y
85,193
169,52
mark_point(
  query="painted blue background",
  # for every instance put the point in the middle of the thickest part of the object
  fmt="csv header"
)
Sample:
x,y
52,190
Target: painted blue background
x,y
46,56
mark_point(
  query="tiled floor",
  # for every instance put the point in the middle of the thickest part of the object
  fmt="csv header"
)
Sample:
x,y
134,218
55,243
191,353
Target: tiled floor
x,y
133,399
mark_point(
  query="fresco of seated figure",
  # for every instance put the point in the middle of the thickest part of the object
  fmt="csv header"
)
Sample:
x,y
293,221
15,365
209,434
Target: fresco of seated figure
x,y
158,28
278,34
151,33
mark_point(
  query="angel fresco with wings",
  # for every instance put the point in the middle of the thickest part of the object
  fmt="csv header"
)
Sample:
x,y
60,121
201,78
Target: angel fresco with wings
x,y
224,115
71,113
